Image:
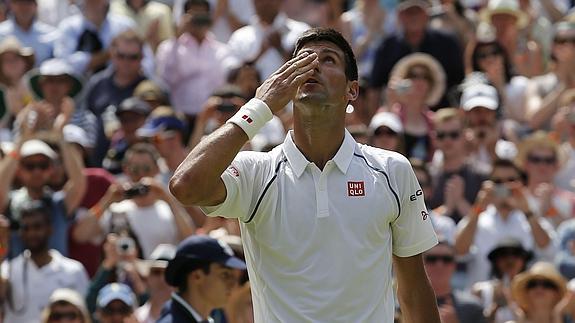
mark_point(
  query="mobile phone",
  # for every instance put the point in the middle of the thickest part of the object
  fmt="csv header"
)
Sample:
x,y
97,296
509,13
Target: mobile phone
x,y
136,190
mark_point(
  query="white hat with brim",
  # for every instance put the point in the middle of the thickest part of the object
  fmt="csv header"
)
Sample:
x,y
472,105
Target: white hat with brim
x,y
539,270
406,4
401,68
36,147
386,119
508,7
479,95
54,67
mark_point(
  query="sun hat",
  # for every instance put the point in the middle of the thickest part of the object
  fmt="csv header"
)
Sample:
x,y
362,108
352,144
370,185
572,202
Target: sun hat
x,y
200,248
12,44
70,296
509,243
401,69
510,7
54,67
539,270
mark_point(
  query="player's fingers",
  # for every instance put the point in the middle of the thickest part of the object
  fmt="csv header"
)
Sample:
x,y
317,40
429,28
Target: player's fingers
x,y
303,62
301,78
289,63
301,70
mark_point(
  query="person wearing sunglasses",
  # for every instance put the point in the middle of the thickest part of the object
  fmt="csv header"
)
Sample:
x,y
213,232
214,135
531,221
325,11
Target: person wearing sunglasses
x,y
538,292
540,158
66,306
456,182
501,210
454,305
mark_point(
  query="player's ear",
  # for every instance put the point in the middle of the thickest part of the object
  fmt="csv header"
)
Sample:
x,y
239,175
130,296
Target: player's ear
x,y
352,90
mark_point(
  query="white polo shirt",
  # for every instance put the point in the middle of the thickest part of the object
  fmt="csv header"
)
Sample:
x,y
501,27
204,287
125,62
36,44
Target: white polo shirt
x,y
318,243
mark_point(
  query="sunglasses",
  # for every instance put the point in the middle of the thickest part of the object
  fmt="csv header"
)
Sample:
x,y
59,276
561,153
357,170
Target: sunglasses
x,y
117,310
446,259
448,134
58,316
504,180
562,41
130,57
488,53
548,160
32,166
543,283
384,131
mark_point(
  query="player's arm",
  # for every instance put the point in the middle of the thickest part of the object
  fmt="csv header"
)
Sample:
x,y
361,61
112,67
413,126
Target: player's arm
x,y
416,297
197,180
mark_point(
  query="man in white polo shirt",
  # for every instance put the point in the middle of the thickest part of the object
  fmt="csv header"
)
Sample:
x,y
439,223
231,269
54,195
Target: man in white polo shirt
x,y
322,217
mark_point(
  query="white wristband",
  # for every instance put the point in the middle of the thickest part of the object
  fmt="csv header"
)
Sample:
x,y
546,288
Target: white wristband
x,y
252,117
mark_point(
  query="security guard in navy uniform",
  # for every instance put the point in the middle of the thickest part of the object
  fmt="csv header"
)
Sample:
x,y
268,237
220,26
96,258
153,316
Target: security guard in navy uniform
x,y
203,273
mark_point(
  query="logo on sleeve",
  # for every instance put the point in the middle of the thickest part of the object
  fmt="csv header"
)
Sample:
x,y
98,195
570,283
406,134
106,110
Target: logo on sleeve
x,y
232,169
248,119
355,189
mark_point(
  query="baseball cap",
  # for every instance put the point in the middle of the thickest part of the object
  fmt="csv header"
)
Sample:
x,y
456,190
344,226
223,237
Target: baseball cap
x,y
157,124
77,135
135,105
406,4
387,119
479,95
37,147
200,249
115,291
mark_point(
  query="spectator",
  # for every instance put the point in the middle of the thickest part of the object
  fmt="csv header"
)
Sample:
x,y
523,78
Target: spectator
x,y
132,114
15,61
455,182
38,271
540,159
454,306
52,12
508,258
202,272
247,78
454,17
229,15
565,119
537,293
116,303
565,258
553,85
501,210
23,24
491,58
194,63
417,82
113,85
269,39
152,93
32,160
154,269
386,131
66,305
151,212
508,19
153,19
85,38
415,36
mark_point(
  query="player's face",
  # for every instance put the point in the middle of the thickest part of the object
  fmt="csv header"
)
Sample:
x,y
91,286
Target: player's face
x,y
329,84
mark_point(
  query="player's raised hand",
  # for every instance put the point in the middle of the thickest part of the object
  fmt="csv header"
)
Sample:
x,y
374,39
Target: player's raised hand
x,y
282,86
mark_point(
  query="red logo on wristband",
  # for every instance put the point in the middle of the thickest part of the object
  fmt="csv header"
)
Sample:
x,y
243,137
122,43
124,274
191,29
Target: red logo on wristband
x,y
248,119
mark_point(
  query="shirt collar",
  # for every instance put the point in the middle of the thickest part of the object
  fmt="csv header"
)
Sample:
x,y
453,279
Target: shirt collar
x,y
177,298
298,162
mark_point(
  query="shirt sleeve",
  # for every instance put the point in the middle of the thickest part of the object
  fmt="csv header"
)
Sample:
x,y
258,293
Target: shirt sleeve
x,y
245,181
412,231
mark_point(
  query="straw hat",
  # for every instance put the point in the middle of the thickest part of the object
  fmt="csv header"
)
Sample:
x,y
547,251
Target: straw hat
x,y
11,44
539,270
538,139
401,69
510,7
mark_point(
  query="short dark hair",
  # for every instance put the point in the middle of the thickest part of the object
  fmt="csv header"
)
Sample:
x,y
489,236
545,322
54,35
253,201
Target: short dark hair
x,y
34,208
186,270
190,3
334,37
507,163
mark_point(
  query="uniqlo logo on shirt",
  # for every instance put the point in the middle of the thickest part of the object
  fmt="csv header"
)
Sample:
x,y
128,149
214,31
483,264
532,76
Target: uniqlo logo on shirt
x,y
355,189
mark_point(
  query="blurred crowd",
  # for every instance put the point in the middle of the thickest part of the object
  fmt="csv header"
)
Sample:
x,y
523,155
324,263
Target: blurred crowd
x,y
100,101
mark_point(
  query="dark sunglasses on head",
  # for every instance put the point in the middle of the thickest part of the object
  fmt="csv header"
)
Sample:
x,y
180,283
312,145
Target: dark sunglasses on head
x,y
549,160
488,53
58,316
131,57
32,166
445,134
544,283
384,131
446,259
562,41
504,180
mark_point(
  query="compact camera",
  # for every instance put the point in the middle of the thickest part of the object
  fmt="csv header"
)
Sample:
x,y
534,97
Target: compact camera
x,y
136,190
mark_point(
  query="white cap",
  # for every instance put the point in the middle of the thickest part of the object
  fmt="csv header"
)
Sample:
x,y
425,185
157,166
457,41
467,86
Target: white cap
x,y
37,147
387,119
76,135
479,95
